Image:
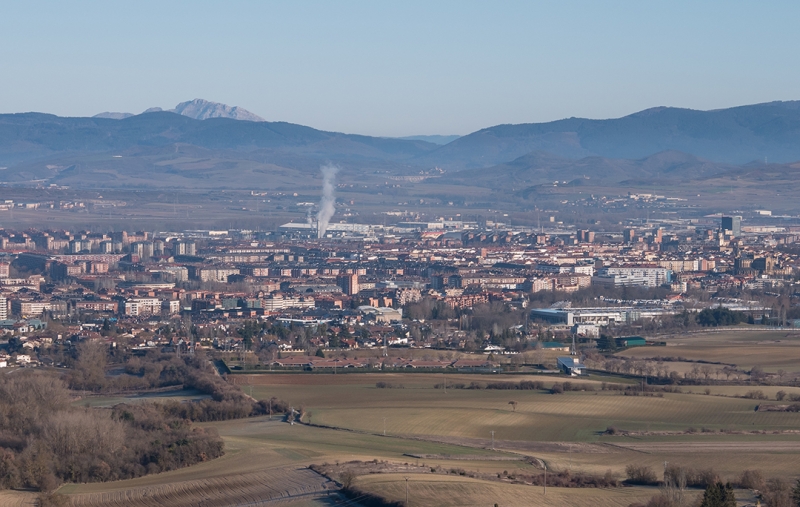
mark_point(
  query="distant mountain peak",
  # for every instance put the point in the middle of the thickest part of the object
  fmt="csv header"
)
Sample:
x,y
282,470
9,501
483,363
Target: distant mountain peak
x,y
200,109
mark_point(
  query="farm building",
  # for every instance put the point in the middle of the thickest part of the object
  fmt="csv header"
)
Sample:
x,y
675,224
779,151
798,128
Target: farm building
x,y
631,341
563,347
473,365
571,365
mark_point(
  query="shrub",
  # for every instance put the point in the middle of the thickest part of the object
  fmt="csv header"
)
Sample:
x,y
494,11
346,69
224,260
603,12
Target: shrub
x,y
641,475
778,492
660,500
389,385
751,479
703,478
557,389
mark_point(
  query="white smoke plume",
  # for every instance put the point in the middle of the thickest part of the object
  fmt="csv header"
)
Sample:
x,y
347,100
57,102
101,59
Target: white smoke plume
x,y
327,205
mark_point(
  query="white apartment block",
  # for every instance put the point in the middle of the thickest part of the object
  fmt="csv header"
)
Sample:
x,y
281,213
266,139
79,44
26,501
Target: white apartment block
x,y
142,306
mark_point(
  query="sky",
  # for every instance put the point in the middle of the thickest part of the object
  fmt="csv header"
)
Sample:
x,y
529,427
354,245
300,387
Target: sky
x,y
397,68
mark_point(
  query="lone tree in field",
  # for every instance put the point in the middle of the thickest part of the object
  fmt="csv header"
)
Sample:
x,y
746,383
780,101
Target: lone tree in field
x,y
513,405
346,478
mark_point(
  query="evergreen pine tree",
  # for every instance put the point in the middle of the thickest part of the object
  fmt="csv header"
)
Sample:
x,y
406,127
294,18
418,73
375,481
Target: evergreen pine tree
x,y
796,494
719,495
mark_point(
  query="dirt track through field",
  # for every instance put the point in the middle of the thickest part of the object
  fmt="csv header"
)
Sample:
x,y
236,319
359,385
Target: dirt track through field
x,y
259,488
712,447
519,445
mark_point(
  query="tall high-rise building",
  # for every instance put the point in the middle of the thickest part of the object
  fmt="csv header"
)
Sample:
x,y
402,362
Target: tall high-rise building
x,y
732,224
144,249
585,236
629,235
185,248
658,235
348,283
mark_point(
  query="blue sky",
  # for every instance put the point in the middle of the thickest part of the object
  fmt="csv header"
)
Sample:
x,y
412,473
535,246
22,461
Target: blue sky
x,y
397,68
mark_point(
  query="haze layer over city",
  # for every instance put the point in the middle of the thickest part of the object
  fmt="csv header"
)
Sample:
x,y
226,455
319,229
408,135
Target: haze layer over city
x,y
366,254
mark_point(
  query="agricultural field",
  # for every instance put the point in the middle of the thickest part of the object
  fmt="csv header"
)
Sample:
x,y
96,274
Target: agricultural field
x,y
465,492
771,350
576,419
427,428
353,401
265,462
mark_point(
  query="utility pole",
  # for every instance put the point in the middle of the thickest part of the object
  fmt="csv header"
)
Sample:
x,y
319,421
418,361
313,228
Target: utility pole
x,y
545,479
384,426
492,432
445,383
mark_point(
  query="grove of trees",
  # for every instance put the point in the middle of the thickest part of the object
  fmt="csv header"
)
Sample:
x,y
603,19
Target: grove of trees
x,y
44,440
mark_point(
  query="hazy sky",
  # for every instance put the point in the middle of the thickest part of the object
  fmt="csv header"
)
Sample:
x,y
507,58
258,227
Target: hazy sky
x,y
398,68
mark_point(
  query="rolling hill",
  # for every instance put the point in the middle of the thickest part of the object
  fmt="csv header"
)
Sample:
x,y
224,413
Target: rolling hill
x,y
735,136
26,138
165,148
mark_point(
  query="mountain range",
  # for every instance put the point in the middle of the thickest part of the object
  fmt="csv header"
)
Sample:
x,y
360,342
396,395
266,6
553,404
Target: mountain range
x,y
204,143
736,135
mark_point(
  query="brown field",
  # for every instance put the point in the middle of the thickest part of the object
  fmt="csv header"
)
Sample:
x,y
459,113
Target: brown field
x,y
254,488
564,430
771,350
426,490
264,463
427,427
17,499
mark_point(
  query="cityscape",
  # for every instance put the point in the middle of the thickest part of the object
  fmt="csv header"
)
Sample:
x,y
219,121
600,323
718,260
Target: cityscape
x,y
451,254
